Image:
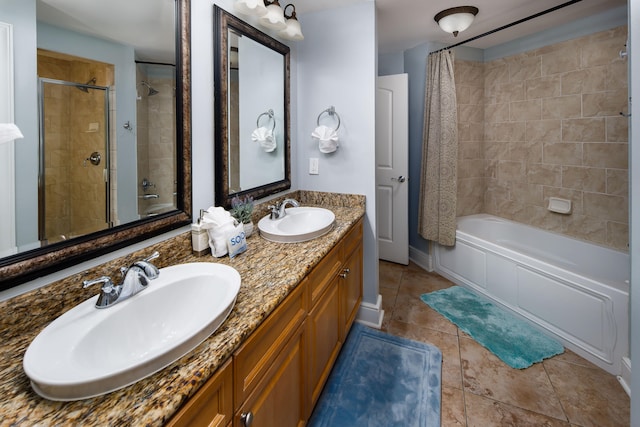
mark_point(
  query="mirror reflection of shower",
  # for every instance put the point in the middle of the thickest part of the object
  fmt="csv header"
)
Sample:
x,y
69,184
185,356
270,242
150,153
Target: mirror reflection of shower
x,y
85,87
155,133
151,90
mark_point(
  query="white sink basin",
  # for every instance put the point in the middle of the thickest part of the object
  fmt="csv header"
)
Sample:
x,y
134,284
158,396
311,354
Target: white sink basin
x,y
298,225
87,351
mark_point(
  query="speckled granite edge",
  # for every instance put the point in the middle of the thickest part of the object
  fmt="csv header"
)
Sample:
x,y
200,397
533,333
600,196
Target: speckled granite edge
x,y
269,272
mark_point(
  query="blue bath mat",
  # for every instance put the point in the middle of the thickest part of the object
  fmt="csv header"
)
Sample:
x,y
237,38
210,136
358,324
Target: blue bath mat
x,y
381,380
514,341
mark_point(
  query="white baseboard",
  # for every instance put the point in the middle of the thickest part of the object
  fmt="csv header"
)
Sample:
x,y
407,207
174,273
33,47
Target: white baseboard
x,y
625,375
422,259
371,314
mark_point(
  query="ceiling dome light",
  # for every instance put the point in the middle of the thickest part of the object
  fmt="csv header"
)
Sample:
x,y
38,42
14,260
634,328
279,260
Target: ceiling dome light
x,y
293,31
251,7
456,19
274,19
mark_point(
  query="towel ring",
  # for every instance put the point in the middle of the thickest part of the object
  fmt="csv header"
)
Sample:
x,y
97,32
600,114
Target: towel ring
x,y
270,114
332,112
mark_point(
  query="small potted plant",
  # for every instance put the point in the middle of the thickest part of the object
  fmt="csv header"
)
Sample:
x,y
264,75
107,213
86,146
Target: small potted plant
x,y
241,210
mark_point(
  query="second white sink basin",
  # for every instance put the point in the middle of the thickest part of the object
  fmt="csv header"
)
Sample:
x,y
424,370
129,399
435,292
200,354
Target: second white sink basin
x,y
87,351
298,225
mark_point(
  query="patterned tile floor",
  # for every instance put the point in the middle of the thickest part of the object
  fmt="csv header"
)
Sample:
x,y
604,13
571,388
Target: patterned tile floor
x,y
480,390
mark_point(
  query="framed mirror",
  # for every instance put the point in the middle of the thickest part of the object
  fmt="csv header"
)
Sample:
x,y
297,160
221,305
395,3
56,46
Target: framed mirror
x,y
252,136
151,74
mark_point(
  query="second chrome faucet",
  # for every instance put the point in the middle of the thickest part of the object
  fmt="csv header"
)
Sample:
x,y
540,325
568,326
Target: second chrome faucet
x,y
278,210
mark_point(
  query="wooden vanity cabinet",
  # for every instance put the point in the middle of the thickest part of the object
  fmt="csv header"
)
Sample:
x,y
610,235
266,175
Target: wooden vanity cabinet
x,y
335,289
276,376
212,405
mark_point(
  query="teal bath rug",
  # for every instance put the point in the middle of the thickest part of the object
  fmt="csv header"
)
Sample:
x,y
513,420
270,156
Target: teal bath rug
x,y
381,380
514,341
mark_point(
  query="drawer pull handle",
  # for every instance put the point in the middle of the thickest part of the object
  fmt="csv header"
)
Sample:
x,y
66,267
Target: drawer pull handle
x,y
344,273
246,419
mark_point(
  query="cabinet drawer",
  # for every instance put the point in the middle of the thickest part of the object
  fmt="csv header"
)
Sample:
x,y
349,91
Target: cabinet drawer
x,y
261,349
352,239
280,398
324,273
212,405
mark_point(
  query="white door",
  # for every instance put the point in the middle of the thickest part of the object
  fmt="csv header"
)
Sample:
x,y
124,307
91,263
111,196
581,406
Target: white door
x,y
392,168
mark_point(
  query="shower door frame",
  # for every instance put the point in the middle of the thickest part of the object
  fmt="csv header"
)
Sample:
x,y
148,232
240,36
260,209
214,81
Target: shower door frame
x,y
41,147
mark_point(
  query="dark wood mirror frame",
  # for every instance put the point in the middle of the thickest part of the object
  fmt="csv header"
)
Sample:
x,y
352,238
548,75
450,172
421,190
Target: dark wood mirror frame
x,y
29,265
223,22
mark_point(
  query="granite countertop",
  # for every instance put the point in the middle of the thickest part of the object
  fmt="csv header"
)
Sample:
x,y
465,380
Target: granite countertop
x,y
269,271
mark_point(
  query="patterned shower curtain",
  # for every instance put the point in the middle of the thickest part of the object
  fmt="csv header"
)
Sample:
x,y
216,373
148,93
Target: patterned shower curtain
x,y
438,183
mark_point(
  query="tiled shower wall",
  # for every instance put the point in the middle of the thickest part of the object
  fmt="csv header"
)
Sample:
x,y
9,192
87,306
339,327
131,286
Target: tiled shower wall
x,y
546,123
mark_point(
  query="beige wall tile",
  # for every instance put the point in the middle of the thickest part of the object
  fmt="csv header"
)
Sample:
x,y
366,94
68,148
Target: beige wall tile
x,y
616,77
526,110
496,113
584,178
601,52
561,61
562,107
562,153
470,113
584,81
470,168
510,132
586,228
583,130
617,128
540,173
526,151
543,87
463,94
525,69
609,103
618,235
606,207
529,194
544,130
508,92
510,171
606,155
617,182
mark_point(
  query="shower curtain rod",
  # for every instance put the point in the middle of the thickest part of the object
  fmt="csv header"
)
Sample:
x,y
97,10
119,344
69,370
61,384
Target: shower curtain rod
x,y
520,21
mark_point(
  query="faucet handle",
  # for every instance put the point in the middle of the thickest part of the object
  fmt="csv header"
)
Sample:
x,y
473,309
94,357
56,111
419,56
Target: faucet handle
x,y
107,284
154,255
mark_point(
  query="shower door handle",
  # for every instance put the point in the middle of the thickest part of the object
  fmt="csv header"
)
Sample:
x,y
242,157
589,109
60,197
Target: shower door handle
x,y
399,179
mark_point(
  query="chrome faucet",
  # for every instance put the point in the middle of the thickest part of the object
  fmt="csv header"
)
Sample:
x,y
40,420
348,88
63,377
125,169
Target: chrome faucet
x,y
278,210
135,278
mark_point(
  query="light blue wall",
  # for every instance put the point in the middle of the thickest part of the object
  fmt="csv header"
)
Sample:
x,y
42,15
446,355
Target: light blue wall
x,y
390,64
22,14
338,67
123,58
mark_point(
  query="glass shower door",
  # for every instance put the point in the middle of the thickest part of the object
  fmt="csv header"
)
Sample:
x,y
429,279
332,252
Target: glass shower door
x,y
74,160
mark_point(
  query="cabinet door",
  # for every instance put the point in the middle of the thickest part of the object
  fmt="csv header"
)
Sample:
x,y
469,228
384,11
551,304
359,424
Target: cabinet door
x,y
255,357
212,405
351,289
324,330
279,400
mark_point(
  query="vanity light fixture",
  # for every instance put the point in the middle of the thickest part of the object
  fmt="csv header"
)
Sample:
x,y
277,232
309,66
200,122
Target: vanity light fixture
x,y
456,19
251,7
274,18
293,31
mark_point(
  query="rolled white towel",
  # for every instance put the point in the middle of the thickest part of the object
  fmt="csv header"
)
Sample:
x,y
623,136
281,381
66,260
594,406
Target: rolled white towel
x,y
264,137
327,138
218,222
9,132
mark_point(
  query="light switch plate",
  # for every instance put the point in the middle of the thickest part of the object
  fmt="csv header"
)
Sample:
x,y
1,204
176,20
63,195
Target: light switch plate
x,y
313,166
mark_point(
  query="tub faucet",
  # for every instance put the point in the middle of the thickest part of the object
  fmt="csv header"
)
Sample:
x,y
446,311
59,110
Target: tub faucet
x,y
135,278
278,210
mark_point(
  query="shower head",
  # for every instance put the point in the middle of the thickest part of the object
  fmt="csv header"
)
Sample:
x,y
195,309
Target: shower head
x,y
84,87
152,91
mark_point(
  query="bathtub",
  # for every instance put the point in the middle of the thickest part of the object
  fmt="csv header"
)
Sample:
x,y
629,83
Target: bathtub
x,y
573,289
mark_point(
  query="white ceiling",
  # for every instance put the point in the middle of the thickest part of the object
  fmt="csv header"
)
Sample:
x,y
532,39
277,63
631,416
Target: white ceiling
x,y
402,24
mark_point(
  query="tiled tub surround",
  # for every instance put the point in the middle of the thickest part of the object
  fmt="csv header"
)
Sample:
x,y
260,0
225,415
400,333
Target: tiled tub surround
x,y
269,272
546,123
